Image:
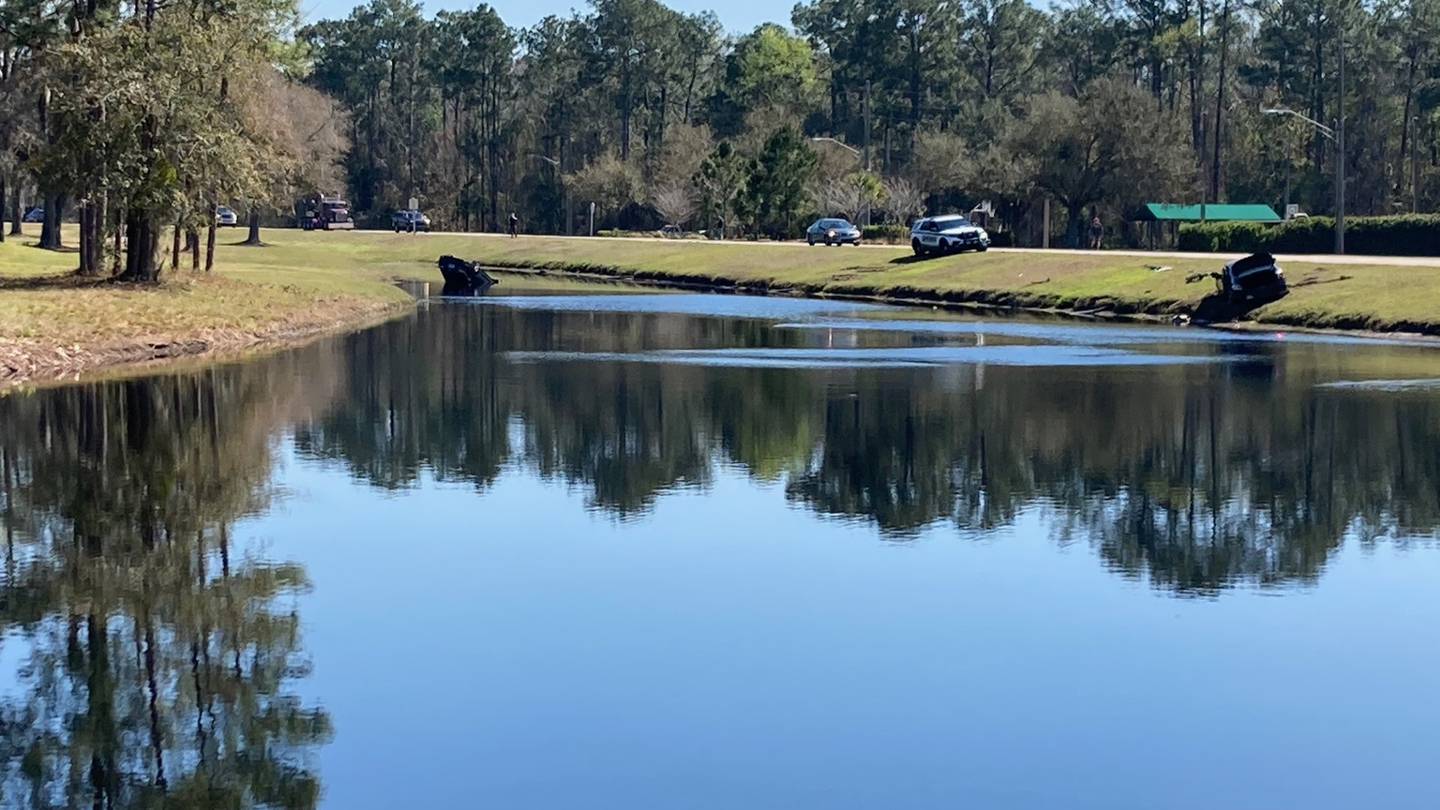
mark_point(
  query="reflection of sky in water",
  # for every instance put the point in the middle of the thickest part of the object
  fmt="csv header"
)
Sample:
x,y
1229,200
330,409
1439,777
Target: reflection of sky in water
x,y
1063,331
1395,386
1018,355
731,650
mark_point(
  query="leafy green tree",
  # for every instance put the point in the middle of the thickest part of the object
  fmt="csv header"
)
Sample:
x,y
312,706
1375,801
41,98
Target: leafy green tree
x,y
1072,150
609,182
776,191
721,181
769,67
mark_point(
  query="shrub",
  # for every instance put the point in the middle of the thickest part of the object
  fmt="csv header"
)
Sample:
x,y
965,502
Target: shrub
x,y
1404,235
885,233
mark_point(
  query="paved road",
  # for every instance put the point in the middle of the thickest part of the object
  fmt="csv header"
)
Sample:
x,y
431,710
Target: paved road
x,y
1319,258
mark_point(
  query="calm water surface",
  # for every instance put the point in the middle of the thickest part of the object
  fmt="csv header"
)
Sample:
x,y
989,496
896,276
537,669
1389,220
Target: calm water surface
x,y
682,551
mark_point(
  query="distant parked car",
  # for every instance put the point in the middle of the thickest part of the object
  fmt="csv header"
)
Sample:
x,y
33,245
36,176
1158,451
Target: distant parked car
x,y
947,234
35,214
409,220
672,232
225,217
833,232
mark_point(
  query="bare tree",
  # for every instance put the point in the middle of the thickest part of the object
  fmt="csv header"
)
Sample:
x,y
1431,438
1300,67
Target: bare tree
x,y
903,200
849,195
675,204
307,129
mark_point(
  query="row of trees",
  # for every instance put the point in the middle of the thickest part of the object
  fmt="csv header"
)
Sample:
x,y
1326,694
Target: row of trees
x,y
143,118
657,115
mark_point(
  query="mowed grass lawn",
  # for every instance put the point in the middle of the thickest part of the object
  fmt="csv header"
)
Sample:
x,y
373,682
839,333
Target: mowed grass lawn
x,y
1348,296
41,299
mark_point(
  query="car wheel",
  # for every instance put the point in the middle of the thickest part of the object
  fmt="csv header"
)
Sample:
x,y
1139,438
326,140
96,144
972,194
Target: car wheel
x,y
984,248
917,247
810,240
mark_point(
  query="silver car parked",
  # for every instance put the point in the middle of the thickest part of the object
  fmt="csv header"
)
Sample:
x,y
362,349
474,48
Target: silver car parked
x,y
947,234
833,232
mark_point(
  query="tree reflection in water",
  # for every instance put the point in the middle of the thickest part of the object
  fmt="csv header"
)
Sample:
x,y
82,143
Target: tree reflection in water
x,y
160,658
1196,476
162,661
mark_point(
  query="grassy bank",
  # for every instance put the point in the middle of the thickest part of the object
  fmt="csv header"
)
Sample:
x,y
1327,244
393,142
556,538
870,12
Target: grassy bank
x,y
1373,297
53,324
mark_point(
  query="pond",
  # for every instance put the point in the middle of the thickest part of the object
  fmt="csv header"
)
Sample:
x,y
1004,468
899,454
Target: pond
x,y
587,549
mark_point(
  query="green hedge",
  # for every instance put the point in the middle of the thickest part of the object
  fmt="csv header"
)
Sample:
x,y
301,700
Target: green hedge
x,y
898,234
1405,235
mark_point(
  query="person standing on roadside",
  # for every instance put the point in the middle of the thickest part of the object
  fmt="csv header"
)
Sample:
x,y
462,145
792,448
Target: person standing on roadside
x,y
514,225
1097,231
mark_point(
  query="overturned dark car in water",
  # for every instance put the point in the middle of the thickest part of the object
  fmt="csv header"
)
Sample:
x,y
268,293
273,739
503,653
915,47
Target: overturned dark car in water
x,y
1254,279
464,278
1240,286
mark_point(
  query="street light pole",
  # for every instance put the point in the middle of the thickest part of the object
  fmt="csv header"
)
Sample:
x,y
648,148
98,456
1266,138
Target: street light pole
x,y
1337,136
1340,157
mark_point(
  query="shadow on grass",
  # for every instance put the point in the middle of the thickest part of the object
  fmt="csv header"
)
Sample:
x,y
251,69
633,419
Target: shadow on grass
x,y
54,281
914,259
61,249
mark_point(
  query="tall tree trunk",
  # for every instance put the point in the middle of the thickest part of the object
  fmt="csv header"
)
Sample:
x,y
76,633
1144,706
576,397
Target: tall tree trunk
x,y
141,234
16,226
175,248
192,244
4,198
1074,225
97,239
210,246
120,218
87,214
50,227
253,239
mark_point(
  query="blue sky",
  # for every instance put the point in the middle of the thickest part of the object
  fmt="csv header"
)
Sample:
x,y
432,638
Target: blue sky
x,y
735,15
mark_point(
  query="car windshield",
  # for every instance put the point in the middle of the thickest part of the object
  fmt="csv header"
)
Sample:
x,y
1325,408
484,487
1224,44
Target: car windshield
x,y
945,223
834,223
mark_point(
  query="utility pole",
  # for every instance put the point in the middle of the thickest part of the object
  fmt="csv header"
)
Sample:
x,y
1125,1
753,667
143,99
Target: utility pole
x,y
865,109
1215,172
865,106
1415,169
1340,153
